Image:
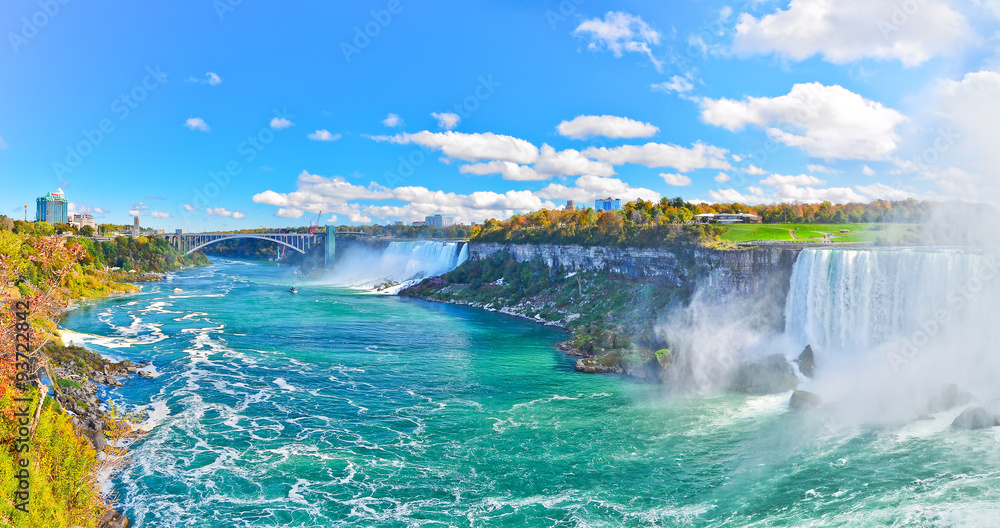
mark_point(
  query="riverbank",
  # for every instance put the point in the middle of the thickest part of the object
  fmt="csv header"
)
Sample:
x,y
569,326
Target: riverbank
x,y
75,436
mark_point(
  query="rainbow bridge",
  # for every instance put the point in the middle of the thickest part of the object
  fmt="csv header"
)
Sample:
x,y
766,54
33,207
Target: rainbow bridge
x,y
301,242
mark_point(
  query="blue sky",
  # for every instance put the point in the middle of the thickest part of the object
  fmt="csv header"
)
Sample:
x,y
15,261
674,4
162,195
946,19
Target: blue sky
x,y
224,114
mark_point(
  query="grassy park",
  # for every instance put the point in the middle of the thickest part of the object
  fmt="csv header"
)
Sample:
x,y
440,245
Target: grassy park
x,y
852,233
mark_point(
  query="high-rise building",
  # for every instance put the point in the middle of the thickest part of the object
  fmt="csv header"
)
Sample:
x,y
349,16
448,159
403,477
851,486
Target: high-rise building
x,y
52,208
608,204
136,231
439,220
570,206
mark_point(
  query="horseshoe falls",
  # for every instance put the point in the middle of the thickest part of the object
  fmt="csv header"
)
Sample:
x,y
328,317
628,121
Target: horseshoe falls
x,y
333,408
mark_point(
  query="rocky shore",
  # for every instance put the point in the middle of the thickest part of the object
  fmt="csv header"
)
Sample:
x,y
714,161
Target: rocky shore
x,y
76,373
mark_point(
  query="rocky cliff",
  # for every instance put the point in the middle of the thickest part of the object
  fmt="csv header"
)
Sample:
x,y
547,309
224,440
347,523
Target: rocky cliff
x,y
750,270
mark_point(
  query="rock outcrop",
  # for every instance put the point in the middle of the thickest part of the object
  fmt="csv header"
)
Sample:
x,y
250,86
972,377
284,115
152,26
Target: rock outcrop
x,y
771,375
807,362
975,418
803,400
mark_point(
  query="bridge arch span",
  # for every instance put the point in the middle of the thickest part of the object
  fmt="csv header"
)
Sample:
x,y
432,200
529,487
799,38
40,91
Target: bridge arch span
x,y
244,235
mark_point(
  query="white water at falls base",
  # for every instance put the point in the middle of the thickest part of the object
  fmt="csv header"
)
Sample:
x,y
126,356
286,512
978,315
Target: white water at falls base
x,y
890,327
400,265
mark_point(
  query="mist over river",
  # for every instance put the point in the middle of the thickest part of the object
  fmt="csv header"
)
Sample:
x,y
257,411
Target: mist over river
x,y
335,407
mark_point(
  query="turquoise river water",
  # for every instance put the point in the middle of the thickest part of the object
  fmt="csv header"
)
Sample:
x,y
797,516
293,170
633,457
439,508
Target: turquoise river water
x,y
338,408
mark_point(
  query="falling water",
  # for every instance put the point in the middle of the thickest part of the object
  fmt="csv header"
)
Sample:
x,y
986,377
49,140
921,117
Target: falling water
x,y
398,265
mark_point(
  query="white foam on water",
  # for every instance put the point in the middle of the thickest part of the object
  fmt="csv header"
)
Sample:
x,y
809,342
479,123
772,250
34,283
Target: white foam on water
x,y
284,385
156,413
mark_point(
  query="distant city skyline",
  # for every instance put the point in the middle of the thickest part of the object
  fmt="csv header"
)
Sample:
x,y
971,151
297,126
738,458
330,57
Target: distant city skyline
x,y
205,116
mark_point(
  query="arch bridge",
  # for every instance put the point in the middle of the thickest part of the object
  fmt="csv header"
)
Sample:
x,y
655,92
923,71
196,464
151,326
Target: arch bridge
x,y
191,242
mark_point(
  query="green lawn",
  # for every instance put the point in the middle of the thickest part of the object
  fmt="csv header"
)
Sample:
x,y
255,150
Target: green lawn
x,y
816,232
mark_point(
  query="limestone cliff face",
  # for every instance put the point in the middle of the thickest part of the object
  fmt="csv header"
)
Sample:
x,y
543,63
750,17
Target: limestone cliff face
x,y
751,270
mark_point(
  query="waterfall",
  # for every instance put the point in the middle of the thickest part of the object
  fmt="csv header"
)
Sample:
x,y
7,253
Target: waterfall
x,y
851,301
399,265
892,326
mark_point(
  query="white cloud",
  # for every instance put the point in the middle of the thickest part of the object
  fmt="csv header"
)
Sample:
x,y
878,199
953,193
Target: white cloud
x,y
843,31
335,195
323,135
677,84
754,170
211,79
678,180
586,126
446,120
700,156
812,167
881,191
550,163
189,207
197,123
589,188
867,171
801,179
392,121
621,32
222,211
569,162
722,177
136,212
159,214
508,169
734,196
472,147
827,122
279,123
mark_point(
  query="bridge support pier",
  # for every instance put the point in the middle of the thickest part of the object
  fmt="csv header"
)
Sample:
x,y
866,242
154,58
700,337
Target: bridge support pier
x,y
330,241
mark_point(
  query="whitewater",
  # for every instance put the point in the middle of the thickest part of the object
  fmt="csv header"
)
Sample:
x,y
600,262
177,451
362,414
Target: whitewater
x,y
336,408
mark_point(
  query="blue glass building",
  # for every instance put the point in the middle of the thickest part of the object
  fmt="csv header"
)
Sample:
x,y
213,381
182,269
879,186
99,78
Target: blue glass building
x,y
52,208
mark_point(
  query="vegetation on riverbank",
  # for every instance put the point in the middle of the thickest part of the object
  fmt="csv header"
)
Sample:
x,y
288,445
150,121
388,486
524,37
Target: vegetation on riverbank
x,y
48,273
644,224
612,317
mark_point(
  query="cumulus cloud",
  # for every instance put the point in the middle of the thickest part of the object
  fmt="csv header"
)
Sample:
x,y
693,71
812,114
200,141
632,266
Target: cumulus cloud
x,y
828,122
676,84
392,121
843,31
589,188
802,189
197,123
222,211
722,177
279,123
585,126
446,120
621,32
508,169
867,171
472,147
189,207
159,214
699,156
316,193
801,179
678,180
323,135
550,163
